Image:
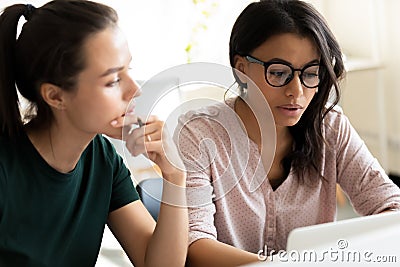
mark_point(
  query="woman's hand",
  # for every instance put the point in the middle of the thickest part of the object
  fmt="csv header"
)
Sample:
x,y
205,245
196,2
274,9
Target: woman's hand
x,y
154,141
121,127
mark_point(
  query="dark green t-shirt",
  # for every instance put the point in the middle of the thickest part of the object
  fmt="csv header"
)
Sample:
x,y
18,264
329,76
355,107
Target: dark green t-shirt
x,y
48,218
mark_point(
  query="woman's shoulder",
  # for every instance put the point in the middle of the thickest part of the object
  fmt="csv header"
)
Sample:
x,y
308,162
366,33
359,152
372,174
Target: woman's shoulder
x,y
211,110
334,116
102,141
102,148
13,145
336,125
211,120
208,114
5,148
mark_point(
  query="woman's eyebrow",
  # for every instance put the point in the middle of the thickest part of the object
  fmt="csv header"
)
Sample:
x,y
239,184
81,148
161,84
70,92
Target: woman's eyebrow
x,y
289,63
114,70
111,70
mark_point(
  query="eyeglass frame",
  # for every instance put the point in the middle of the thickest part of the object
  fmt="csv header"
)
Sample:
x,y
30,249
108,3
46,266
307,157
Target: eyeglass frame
x,y
252,59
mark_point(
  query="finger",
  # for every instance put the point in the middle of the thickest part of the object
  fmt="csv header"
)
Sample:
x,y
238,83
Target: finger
x,y
154,146
137,133
153,130
136,138
148,138
151,119
126,131
153,150
135,146
126,120
164,155
153,136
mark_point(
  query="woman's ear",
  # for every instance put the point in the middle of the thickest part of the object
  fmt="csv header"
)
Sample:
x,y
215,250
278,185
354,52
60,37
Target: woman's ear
x,y
240,63
240,69
52,95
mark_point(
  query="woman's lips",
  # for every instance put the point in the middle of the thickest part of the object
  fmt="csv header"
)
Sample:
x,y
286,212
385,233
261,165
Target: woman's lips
x,y
291,109
129,110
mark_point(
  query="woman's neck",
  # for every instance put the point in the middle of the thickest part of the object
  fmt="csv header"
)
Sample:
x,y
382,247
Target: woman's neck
x,y
284,141
283,136
249,121
58,147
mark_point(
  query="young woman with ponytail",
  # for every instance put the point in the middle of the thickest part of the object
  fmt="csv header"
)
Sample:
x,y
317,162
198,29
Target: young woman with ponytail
x,y
61,180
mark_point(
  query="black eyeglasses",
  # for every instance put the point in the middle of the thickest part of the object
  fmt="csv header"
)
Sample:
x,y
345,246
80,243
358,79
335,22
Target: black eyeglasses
x,y
278,74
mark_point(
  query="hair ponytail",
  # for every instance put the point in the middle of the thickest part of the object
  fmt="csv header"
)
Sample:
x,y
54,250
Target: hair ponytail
x,y
10,116
49,49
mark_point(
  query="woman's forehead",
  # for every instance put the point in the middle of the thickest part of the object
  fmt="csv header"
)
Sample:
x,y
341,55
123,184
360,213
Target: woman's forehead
x,y
288,46
105,49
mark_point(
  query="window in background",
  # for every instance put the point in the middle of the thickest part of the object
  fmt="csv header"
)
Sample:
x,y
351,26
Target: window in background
x,y
160,31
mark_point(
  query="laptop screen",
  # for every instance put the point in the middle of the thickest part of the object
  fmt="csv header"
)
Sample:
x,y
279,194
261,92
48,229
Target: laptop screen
x,y
368,239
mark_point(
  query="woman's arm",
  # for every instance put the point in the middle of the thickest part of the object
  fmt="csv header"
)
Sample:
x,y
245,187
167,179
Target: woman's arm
x,y
145,242
359,173
204,249
209,252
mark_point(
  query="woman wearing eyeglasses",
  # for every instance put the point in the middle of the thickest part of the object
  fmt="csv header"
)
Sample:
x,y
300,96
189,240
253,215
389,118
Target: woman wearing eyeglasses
x,y
241,199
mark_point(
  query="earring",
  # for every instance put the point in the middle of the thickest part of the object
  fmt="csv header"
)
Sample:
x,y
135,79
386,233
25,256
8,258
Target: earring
x,y
316,91
60,106
243,90
242,85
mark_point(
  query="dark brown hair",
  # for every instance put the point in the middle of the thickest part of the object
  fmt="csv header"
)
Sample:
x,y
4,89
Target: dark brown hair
x,y
49,49
260,21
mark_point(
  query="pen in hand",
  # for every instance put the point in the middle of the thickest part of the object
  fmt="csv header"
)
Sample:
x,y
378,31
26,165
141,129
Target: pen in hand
x,y
140,123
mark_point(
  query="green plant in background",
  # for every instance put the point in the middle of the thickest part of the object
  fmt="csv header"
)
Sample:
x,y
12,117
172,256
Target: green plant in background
x,y
204,9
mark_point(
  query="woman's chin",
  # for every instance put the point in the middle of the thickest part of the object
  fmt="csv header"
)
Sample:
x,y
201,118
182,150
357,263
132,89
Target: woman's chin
x,y
288,122
115,133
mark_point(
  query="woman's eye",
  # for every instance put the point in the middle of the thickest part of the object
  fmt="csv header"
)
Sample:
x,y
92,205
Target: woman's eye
x,y
310,74
277,73
114,83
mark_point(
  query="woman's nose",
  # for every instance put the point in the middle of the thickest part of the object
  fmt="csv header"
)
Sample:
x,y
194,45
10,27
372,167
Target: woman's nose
x,y
294,88
132,90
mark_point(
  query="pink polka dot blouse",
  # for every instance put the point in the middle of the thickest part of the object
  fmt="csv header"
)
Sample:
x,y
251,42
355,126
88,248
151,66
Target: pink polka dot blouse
x,y
223,163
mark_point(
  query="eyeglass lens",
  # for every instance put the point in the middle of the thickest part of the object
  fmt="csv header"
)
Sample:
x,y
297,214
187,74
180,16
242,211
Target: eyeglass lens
x,y
280,75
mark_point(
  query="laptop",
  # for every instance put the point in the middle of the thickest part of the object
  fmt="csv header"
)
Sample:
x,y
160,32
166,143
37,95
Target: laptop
x,y
370,240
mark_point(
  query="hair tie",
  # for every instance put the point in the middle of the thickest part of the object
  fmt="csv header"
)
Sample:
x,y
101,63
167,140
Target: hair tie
x,y
29,9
